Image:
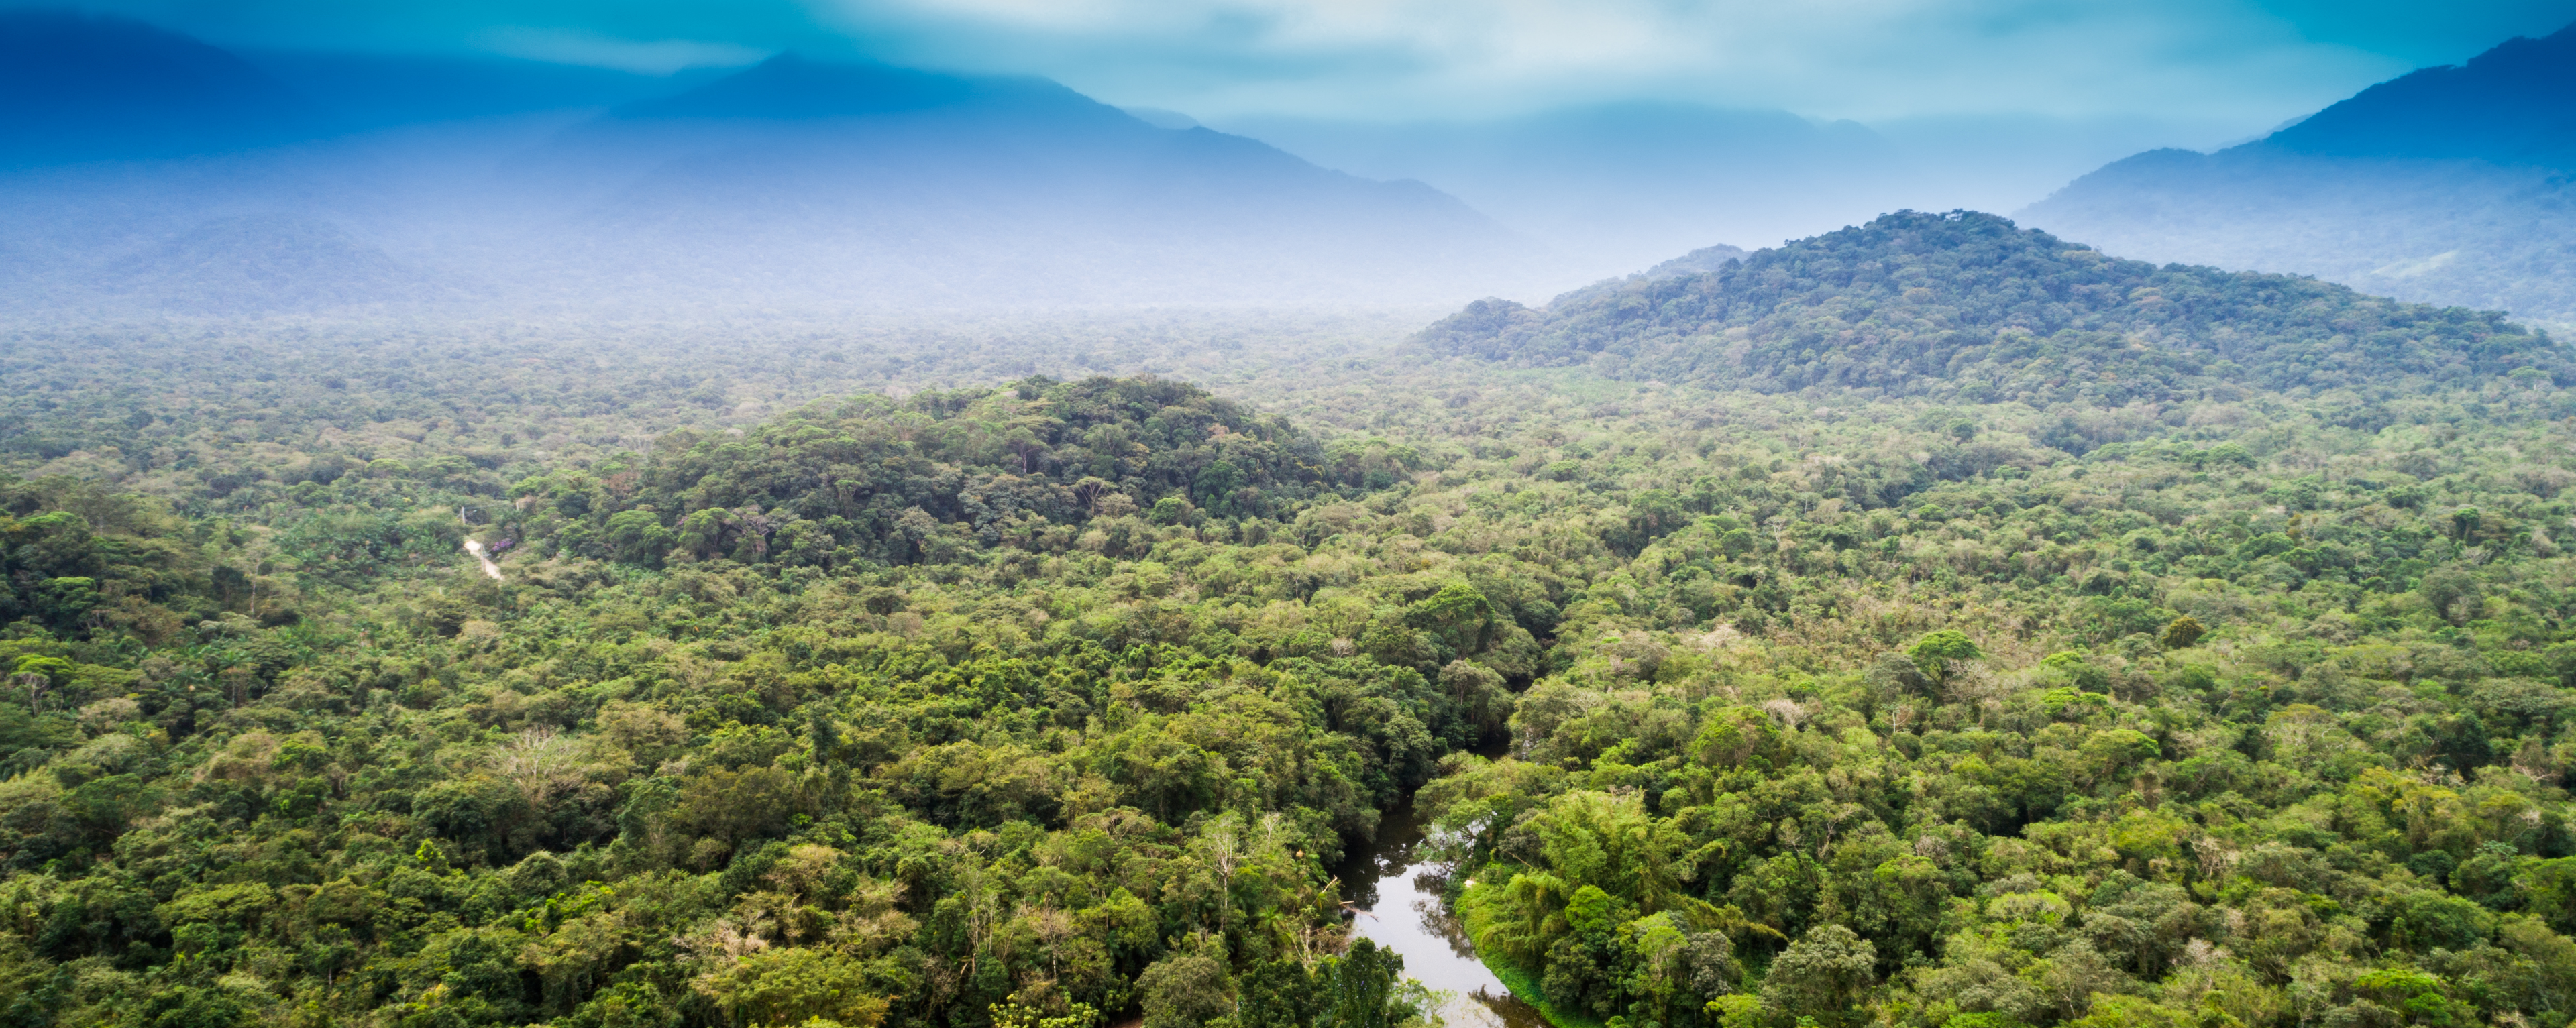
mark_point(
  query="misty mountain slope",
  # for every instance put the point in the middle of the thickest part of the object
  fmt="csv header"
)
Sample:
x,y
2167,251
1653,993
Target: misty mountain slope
x,y
789,87
879,186
374,90
1617,184
1967,304
1620,186
2514,104
793,184
223,264
85,87
255,264
2460,232
2449,185
91,238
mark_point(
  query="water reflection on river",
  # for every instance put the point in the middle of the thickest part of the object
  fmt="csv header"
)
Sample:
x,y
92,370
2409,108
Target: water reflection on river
x,y
1400,906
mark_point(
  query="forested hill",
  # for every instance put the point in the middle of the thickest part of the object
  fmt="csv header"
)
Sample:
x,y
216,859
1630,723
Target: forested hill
x,y
1969,304
877,480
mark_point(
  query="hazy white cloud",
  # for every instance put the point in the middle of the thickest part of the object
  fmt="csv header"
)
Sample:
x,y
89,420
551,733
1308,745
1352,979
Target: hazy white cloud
x,y
1837,58
590,49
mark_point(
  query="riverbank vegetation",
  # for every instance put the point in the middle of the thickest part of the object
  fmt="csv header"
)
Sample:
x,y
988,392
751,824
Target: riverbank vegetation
x,y
966,693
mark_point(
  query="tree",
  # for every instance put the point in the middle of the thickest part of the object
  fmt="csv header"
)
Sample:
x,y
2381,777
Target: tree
x,y
789,986
2454,594
1593,839
1823,975
1939,653
1188,988
2182,632
637,537
1365,988
1277,994
1458,616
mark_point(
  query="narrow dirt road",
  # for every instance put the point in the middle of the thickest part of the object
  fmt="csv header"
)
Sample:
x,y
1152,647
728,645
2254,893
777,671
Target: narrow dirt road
x,y
489,568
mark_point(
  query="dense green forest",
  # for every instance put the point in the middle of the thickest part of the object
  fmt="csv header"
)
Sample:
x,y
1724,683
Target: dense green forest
x,y
1967,306
969,677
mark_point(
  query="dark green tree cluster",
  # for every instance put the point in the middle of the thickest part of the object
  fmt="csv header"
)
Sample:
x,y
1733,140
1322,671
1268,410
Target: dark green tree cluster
x,y
873,481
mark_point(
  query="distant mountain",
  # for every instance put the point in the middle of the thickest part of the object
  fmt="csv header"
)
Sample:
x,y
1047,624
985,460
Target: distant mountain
x,y
1620,186
1967,304
791,184
1617,184
791,88
84,87
371,90
898,187
2448,185
2515,104
243,265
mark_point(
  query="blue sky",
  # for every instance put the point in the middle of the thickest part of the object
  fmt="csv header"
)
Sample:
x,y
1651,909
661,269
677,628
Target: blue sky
x,y
2249,63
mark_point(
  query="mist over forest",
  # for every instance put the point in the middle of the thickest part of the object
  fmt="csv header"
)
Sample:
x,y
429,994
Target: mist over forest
x,y
621,526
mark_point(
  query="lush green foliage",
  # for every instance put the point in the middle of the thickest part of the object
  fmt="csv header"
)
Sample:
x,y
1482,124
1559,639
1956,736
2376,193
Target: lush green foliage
x,y
1004,706
73,557
921,775
872,481
1966,305
2151,736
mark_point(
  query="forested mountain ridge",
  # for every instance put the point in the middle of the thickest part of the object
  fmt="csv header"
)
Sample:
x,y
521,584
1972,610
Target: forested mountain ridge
x,y
1967,304
1699,261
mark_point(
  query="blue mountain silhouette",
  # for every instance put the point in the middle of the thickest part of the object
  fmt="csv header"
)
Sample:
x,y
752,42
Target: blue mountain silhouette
x,y
83,86
789,86
948,187
792,183
2515,104
2447,185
